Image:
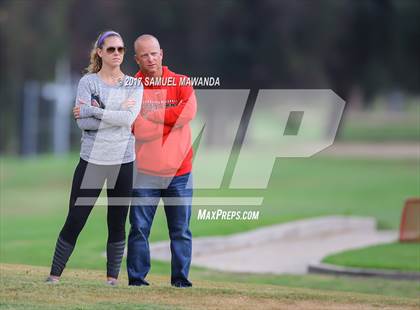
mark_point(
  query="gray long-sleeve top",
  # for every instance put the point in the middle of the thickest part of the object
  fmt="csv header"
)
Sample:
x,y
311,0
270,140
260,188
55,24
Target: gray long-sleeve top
x,y
105,121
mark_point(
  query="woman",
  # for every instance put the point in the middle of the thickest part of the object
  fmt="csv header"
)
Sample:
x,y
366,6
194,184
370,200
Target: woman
x,y
107,103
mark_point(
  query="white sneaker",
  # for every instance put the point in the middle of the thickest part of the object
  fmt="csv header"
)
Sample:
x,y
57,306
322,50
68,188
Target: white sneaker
x,y
52,280
112,282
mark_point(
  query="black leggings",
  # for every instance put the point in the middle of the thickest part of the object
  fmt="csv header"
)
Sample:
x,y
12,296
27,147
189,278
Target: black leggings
x,y
88,181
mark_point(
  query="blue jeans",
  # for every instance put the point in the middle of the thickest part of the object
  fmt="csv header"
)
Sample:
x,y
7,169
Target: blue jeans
x,y
176,193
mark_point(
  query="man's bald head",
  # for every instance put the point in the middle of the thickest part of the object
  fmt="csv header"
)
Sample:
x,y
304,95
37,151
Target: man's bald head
x,y
148,55
146,38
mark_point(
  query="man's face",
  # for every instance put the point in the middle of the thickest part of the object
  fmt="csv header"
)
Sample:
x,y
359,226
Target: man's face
x,y
149,57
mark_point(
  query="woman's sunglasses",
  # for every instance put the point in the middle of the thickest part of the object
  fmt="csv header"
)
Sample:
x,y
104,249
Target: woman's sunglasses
x,y
111,49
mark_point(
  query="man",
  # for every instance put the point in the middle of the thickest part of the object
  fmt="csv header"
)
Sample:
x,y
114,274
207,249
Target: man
x,y
164,162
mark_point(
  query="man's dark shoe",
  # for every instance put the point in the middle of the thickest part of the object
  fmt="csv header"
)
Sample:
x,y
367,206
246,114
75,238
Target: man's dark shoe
x,y
182,284
138,283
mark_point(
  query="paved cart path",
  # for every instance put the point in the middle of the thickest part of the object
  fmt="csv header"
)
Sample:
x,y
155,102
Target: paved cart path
x,y
282,248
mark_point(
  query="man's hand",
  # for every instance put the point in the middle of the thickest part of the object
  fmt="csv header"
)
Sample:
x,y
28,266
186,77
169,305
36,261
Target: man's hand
x,y
129,103
145,113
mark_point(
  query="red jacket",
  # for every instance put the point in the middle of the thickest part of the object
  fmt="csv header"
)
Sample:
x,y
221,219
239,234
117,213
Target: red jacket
x,y
162,131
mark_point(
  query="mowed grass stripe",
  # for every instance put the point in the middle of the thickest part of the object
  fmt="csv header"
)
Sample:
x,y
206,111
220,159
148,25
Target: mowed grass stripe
x,y
22,285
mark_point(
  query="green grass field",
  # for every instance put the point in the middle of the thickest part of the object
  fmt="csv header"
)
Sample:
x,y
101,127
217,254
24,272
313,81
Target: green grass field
x,y
397,256
381,126
34,197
